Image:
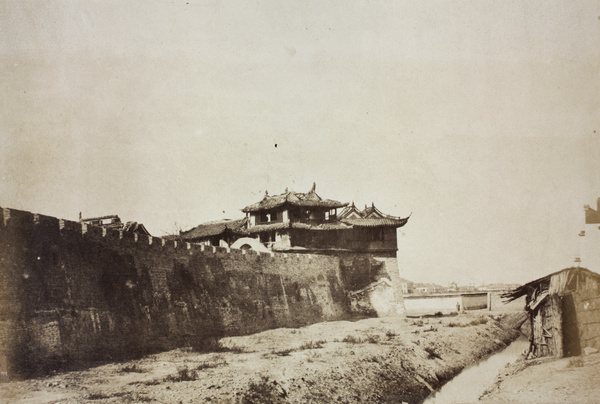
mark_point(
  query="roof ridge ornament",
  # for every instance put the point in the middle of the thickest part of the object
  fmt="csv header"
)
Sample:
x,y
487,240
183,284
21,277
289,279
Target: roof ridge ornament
x,y
314,187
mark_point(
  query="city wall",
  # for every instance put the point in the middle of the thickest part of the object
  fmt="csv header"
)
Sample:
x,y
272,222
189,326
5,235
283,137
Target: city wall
x,y
71,293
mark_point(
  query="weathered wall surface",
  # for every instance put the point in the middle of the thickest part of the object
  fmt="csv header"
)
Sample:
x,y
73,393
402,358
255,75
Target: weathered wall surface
x,y
74,293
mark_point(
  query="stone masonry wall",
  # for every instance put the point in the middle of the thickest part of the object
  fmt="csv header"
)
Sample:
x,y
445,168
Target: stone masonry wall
x,y
73,293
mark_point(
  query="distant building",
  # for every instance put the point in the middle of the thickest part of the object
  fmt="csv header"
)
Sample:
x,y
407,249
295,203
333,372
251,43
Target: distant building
x,y
407,287
114,222
590,239
306,222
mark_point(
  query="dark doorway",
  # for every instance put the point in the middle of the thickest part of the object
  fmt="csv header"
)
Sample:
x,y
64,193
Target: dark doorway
x,y
571,345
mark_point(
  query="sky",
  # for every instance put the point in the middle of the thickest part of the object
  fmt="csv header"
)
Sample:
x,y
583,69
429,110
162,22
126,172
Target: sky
x,y
479,119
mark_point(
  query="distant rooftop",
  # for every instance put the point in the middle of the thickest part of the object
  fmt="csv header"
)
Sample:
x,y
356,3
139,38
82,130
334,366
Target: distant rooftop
x,y
592,216
215,228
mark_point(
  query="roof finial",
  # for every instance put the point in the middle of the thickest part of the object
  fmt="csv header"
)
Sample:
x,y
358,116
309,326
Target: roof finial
x,y
266,193
286,190
314,187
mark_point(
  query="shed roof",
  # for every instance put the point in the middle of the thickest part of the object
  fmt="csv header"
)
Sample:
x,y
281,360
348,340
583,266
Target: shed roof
x,y
545,280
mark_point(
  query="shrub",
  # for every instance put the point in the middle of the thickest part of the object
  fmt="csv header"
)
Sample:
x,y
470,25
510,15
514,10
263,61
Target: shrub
x,y
183,375
210,365
479,320
351,339
131,368
432,352
312,345
373,338
97,396
283,352
264,391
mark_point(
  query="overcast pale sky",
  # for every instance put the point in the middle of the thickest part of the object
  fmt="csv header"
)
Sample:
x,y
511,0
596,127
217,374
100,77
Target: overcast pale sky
x,y
479,117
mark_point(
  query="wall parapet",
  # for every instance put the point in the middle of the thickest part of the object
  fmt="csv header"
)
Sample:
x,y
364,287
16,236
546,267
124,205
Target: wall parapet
x,y
14,219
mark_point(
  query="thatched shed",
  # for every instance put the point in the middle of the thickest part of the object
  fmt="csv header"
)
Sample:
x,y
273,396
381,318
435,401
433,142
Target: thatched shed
x,y
564,311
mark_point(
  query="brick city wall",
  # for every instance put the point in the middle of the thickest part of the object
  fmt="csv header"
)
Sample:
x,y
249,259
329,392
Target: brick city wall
x,y
74,293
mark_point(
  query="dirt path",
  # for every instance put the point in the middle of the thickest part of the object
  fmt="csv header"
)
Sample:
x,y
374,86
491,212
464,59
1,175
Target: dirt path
x,y
372,360
567,380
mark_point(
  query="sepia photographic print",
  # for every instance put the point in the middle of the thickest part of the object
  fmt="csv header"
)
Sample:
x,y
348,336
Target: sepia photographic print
x,y
206,201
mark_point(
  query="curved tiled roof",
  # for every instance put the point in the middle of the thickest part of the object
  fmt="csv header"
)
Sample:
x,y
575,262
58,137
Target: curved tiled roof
x,y
369,217
376,222
215,228
309,199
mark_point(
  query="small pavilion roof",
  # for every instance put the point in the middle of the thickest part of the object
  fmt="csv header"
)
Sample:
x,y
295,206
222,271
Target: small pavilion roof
x,y
369,217
308,199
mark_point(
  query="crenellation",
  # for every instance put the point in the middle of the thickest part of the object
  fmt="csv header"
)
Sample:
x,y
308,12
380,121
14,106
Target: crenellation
x,y
113,235
236,252
194,248
128,238
5,216
17,218
92,231
70,228
154,244
47,222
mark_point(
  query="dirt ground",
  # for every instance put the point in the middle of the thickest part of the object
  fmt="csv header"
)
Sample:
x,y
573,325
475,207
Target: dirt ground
x,y
371,360
567,380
